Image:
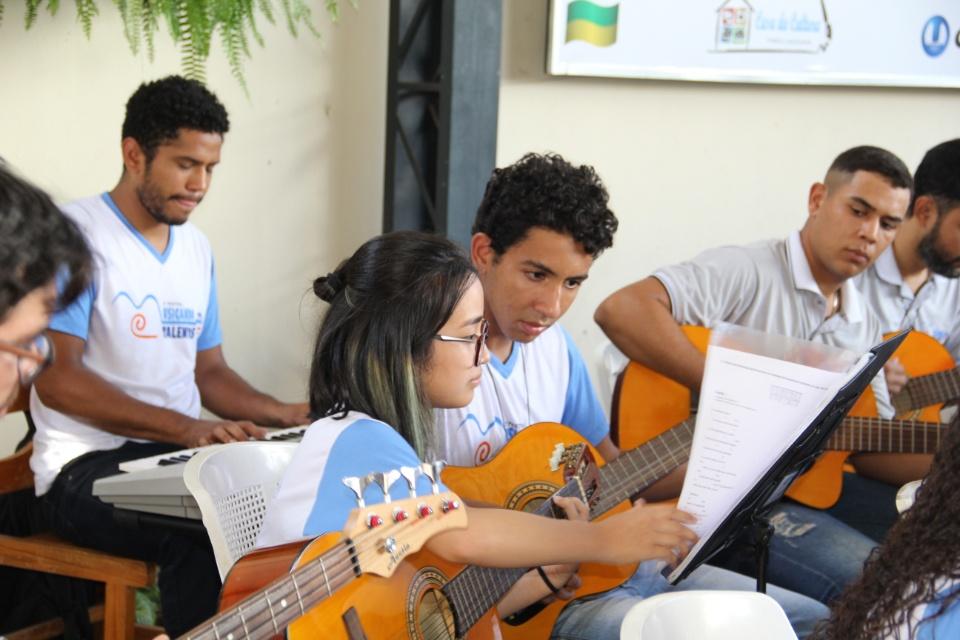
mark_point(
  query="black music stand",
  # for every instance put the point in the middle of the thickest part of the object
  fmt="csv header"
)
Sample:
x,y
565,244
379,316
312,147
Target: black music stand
x,y
750,514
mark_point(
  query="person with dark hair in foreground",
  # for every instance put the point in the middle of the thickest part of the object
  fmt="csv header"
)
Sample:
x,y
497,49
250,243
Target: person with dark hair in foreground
x,y
140,350
538,230
38,244
405,334
910,587
801,287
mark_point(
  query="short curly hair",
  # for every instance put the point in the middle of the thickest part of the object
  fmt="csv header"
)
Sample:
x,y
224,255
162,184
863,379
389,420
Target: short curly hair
x,y
37,244
546,191
158,110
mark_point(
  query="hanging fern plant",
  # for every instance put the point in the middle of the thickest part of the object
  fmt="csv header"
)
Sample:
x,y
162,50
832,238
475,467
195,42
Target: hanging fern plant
x,y
192,24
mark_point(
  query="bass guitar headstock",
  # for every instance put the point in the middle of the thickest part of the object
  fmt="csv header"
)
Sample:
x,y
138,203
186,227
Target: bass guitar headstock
x,y
383,534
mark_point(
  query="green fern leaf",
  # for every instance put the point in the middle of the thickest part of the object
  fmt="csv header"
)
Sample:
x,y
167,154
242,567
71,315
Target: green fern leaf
x,y
86,9
53,6
201,27
266,8
234,45
288,14
151,20
31,16
247,17
304,14
333,9
189,57
1,12
132,13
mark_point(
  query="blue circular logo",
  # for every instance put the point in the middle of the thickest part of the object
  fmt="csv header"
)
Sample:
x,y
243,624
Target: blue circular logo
x,y
935,36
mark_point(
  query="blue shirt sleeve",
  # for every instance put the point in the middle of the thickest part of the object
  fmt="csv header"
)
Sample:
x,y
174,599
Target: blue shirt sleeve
x,y
581,408
364,447
75,319
947,625
211,336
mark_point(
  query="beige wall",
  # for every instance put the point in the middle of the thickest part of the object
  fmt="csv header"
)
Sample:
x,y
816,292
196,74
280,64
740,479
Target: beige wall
x,y
692,165
299,185
688,165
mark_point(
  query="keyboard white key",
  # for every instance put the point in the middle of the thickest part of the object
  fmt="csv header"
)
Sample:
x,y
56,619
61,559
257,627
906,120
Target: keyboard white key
x,y
179,457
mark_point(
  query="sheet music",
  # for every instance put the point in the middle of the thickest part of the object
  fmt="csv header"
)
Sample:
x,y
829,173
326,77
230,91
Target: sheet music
x,y
752,408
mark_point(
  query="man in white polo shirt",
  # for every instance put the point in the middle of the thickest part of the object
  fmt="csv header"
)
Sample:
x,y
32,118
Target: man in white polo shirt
x,y
540,226
914,284
799,287
140,350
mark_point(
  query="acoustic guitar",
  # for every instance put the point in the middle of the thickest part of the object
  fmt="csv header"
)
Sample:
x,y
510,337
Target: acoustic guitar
x,y
646,402
546,459
426,597
322,587
934,378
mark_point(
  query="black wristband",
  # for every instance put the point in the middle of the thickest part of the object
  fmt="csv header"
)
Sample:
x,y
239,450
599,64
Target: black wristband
x,y
546,580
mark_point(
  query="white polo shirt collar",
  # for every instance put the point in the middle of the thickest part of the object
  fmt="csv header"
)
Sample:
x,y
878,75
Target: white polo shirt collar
x,y
888,271
851,301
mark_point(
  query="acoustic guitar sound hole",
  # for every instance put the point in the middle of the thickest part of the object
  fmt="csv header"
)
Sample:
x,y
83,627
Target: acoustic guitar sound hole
x,y
435,618
429,616
529,496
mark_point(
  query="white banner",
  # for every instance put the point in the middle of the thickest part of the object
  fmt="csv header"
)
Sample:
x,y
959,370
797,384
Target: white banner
x,y
914,43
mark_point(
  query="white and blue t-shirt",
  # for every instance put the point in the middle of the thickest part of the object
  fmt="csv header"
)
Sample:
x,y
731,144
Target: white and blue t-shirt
x,y
312,498
143,319
544,380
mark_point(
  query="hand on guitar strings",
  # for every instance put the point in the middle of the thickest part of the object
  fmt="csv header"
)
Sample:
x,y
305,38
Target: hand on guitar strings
x,y
652,532
896,375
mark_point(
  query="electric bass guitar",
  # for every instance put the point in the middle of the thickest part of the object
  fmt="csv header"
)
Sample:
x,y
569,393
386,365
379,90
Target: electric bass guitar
x,y
646,402
329,586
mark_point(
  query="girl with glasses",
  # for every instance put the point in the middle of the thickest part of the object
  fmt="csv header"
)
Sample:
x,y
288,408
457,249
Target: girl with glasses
x,y
404,334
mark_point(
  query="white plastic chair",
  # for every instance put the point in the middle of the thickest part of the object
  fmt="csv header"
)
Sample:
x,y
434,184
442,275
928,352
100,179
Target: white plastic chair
x,y
707,615
233,484
907,495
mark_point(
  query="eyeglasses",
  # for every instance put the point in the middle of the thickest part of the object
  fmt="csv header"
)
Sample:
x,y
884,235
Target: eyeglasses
x,y
481,340
32,359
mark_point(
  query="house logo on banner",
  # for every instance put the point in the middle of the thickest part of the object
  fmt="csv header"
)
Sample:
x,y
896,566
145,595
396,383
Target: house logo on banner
x,y
787,26
936,36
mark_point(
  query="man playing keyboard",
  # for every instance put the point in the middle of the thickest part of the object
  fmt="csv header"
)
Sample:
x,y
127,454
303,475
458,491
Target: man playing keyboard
x,y
140,350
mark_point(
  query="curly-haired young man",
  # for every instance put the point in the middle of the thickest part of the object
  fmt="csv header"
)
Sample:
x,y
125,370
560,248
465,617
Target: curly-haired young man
x,y
139,351
540,226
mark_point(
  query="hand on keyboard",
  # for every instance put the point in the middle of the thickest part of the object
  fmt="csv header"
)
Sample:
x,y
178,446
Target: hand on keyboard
x,y
204,432
292,414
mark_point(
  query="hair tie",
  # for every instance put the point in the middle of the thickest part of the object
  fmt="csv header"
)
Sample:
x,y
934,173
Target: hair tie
x,y
327,287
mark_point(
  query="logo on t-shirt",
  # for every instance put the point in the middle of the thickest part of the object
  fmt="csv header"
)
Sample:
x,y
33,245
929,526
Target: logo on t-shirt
x,y
151,319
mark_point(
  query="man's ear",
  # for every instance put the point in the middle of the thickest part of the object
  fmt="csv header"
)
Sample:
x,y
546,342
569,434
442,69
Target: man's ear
x,y
818,191
482,252
134,159
925,210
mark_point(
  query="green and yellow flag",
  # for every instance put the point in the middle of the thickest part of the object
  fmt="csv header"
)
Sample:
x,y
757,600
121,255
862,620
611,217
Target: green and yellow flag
x,y
592,23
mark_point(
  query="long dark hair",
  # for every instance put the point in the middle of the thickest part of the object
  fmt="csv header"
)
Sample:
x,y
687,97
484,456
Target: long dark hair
x,y
387,302
908,569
